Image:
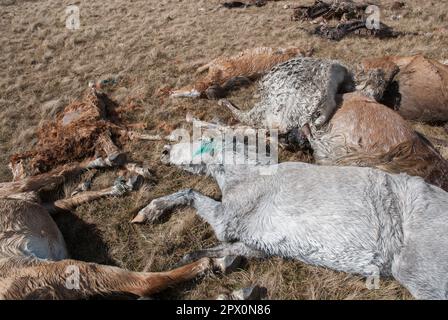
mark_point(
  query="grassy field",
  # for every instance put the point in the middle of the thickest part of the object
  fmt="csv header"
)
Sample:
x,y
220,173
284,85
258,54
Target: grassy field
x,y
154,44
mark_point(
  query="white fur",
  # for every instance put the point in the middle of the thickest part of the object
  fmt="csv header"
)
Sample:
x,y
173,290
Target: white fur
x,y
357,220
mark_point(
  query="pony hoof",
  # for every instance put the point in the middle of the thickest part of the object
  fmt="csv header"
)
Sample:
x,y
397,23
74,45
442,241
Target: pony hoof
x,y
135,182
117,159
215,92
228,264
151,213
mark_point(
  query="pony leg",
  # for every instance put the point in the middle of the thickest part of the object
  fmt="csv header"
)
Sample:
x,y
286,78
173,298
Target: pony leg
x,y
70,279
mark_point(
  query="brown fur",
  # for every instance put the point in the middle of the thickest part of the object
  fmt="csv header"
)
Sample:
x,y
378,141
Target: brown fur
x,y
366,133
251,64
84,129
33,183
33,257
46,280
419,91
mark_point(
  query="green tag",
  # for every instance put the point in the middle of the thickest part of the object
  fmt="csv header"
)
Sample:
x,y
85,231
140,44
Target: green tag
x,y
205,148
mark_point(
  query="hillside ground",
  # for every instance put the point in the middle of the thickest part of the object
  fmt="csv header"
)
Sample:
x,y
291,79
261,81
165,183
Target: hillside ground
x,y
155,44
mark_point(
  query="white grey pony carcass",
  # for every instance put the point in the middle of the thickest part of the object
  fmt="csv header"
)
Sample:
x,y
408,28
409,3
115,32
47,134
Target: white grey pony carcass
x,y
349,219
301,91
356,220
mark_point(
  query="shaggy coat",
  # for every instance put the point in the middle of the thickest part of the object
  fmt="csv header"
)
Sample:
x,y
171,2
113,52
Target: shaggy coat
x,y
225,72
34,262
419,91
85,129
366,133
301,95
297,92
356,220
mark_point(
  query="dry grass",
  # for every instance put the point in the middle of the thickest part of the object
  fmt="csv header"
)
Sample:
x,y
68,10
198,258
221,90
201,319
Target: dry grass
x,y
153,44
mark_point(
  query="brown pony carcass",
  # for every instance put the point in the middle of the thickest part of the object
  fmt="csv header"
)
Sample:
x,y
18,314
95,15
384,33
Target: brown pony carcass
x,y
365,133
226,73
418,91
90,128
34,261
